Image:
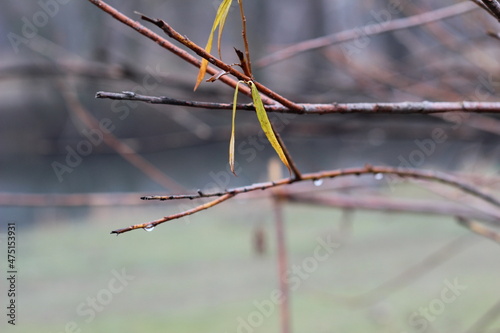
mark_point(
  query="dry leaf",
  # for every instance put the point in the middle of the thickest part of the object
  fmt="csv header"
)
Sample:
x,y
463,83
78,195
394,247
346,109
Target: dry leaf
x,y
220,20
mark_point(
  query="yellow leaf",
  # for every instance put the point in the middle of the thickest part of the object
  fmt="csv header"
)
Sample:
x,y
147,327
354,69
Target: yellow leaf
x,y
231,142
220,20
266,124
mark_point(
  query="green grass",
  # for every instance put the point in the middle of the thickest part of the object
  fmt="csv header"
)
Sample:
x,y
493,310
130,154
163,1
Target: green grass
x,y
201,275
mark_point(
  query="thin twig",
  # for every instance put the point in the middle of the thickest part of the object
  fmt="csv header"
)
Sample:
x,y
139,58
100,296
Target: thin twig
x,y
219,63
368,30
227,194
197,209
169,46
245,37
409,275
282,265
391,205
70,199
127,152
436,176
479,229
424,107
296,173
493,8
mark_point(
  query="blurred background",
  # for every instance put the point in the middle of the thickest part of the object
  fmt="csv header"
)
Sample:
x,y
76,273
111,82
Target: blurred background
x,y
73,168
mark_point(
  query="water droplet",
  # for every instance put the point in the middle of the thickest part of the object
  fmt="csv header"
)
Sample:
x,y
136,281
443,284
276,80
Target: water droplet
x,y
149,227
379,176
318,182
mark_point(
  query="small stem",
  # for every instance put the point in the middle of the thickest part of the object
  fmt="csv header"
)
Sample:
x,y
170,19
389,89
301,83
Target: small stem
x,y
282,265
168,45
245,39
175,216
219,63
296,173
480,229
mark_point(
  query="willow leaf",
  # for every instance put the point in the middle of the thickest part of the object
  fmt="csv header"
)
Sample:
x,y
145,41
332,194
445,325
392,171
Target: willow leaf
x,y
220,20
231,141
266,124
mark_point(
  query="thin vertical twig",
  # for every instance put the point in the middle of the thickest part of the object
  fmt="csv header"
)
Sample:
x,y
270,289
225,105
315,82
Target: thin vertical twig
x,y
282,265
245,38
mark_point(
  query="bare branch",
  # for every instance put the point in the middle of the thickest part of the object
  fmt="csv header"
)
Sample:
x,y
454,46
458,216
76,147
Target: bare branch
x,y
369,30
296,173
424,107
436,176
391,205
227,194
282,265
480,229
153,224
127,152
414,272
493,7
219,63
169,46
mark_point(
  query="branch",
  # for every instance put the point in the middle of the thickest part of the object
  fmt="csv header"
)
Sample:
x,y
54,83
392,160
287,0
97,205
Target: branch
x,y
153,224
424,107
368,30
282,265
493,7
414,272
220,64
479,229
295,170
368,169
124,150
169,46
379,203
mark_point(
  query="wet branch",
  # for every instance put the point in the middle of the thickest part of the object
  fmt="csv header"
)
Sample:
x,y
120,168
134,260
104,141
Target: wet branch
x,y
368,169
424,107
219,63
197,209
169,46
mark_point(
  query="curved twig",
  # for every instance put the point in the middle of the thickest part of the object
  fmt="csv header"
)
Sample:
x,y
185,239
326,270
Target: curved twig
x,y
436,176
368,30
153,224
169,46
124,150
219,63
368,169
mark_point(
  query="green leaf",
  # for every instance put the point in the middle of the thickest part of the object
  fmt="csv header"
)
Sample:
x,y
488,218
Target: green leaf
x,y
231,141
220,20
266,124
